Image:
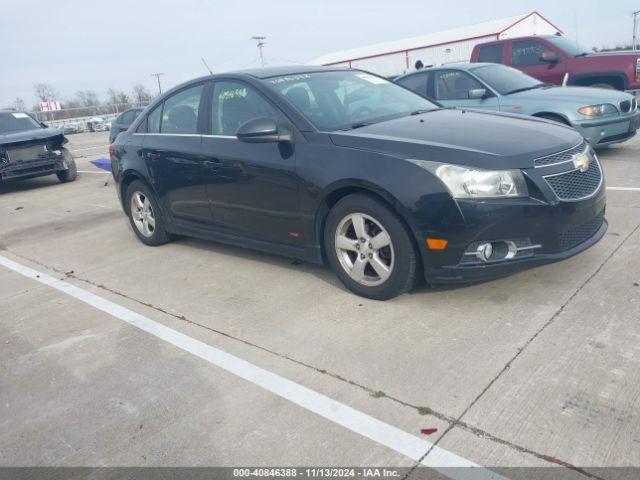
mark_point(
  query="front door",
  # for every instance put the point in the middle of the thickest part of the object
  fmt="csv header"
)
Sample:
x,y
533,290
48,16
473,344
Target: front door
x,y
525,56
254,189
172,152
455,88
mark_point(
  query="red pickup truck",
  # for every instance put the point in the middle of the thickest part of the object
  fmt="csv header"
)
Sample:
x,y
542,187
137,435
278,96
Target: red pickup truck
x,y
550,58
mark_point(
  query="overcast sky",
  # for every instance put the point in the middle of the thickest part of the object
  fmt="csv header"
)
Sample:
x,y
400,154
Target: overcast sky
x,y
84,44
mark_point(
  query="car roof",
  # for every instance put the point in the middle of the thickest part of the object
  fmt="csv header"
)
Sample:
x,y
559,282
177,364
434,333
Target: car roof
x,y
268,72
458,66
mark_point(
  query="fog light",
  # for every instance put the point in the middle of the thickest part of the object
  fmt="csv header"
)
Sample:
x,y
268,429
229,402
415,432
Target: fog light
x,y
484,251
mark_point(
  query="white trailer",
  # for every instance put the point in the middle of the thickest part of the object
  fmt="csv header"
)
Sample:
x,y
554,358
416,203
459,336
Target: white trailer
x,y
396,57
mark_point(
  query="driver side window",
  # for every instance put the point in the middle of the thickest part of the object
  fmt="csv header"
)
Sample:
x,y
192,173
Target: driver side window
x,y
454,85
236,103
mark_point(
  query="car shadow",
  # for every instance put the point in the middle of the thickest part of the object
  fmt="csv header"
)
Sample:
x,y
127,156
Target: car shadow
x,y
13,186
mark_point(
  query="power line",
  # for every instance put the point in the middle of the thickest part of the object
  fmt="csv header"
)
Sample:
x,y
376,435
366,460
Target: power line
x,y
157,75
260,44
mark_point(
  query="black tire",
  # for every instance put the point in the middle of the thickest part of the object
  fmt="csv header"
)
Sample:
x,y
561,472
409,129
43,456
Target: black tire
x,y
71,173
159,234
606,86
404,272
553,118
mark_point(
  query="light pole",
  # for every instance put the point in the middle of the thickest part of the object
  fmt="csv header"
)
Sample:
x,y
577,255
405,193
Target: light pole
x,y
260,45
635,23
157,75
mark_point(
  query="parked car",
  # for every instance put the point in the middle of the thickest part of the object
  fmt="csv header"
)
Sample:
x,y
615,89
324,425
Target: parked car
x,y
551,58
344,166
602,116
29,148
122,122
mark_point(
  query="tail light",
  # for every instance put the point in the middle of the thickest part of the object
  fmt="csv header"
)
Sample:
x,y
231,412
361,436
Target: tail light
x,y
112,150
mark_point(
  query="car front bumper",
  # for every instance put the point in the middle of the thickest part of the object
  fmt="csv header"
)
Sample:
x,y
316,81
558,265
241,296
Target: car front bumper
x,y
606,132
558,230
45,164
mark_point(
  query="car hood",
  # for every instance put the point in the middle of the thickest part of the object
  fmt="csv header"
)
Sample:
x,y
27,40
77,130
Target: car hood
x,y
37,135
578,95
466,137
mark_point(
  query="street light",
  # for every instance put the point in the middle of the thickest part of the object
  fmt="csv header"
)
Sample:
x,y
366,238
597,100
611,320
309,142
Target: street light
x,y
260,45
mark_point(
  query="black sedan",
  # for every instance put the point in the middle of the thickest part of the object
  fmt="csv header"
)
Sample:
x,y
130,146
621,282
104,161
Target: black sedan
x,y
345,167
29,148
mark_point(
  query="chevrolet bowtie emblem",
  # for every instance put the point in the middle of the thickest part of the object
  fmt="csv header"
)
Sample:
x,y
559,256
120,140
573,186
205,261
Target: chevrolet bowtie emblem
x,y
581,162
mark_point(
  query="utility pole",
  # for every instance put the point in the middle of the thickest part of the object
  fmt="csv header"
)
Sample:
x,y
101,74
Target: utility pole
x,y
635,23
157,75
260,45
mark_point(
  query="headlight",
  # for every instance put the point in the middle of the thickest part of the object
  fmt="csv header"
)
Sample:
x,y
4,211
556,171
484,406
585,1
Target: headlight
x,y
598,110
465,182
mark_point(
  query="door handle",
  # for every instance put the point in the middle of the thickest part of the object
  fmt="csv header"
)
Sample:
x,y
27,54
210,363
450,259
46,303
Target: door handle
x,y
152,155
212,164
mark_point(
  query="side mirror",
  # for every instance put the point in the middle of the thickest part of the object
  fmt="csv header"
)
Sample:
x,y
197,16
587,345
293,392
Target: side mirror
x,y
477,93
549,57
261,130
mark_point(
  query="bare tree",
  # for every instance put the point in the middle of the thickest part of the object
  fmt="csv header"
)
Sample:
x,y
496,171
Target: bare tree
x,y
88,98
44,92
19,104
141,95
117,98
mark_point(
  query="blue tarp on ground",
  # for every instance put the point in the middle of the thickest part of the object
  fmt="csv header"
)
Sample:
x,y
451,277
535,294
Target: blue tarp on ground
x,y
103,163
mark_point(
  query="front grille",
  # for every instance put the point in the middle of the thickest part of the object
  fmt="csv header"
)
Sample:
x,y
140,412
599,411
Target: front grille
x,y
576,235
625,106
565,156
26,154
575,185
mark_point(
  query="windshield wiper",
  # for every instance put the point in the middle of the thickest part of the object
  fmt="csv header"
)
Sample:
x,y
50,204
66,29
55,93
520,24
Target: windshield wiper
x,y
357,125
524,89
423,110
583,54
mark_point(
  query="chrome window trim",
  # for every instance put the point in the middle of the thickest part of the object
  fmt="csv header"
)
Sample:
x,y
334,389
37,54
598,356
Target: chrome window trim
x,y
595,191
186,135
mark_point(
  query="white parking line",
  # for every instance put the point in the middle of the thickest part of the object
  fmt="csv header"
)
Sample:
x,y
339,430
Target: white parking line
x,y
92,171
446,462
624,189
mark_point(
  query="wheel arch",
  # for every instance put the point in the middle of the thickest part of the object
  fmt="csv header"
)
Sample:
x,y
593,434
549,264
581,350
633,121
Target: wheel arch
x,y
126,179
586,79
560,116
336,192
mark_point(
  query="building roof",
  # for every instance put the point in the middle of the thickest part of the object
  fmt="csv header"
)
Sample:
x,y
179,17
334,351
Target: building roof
x,y
479,30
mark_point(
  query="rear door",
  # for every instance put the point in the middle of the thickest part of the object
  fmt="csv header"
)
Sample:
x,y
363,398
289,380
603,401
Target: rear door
x,y
171,151
525,56
453,88
253,191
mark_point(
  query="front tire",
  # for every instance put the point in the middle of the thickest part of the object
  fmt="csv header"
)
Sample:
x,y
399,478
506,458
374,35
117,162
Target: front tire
x,y
71,173
369,248
145,215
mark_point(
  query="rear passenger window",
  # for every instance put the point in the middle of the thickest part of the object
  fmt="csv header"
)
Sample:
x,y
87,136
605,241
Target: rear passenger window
x,y
180,112
491,53
153,120
417,83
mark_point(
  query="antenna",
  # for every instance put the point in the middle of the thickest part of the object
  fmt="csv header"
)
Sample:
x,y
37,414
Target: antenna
x,y
260,44
206,66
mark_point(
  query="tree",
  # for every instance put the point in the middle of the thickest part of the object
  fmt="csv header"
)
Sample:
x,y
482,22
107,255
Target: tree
x,y
88,98
141,95
19,104
117,97
44,92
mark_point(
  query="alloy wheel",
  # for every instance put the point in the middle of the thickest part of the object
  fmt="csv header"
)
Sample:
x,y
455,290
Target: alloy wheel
x,y
142,214
364,249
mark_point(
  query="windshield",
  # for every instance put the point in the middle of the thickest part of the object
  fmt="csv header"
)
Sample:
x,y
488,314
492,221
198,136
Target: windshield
x,y
569,46
505,79
347,99
16,122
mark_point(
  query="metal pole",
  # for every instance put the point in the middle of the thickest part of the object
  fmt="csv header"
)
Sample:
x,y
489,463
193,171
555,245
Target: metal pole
x,y
260,45
635,23
157,75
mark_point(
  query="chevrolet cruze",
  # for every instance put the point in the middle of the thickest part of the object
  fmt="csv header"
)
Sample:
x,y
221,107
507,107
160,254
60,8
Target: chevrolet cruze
x,y
344,167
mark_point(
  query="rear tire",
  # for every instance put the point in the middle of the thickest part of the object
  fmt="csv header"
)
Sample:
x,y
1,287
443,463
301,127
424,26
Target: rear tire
x,y
369,248
71,173
606,86
145,215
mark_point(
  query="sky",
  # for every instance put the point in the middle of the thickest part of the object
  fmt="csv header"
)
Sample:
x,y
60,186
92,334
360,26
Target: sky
x,y
82,44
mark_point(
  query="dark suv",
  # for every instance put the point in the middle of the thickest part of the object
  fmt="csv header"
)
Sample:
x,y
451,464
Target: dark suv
x,y
123,121
346,167
29,148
